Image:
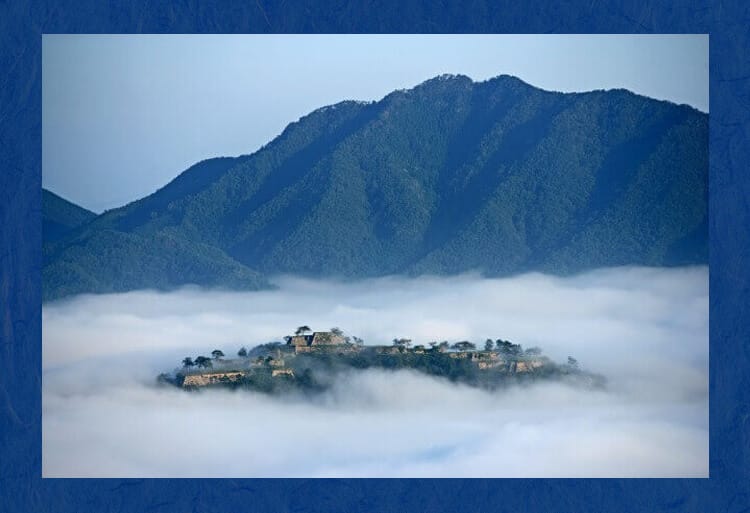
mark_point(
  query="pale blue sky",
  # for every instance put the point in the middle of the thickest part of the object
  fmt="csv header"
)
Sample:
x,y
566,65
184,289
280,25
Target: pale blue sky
x,y
124,114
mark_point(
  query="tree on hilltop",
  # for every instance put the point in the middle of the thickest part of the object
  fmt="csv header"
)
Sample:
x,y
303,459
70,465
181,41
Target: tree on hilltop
x,y
402,342
203,361
464,345
509,348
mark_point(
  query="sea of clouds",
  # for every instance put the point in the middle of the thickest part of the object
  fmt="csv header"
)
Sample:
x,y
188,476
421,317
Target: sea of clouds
x,y
644,329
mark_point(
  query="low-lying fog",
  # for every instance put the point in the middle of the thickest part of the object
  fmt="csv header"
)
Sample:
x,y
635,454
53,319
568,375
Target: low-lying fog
x,y
645,329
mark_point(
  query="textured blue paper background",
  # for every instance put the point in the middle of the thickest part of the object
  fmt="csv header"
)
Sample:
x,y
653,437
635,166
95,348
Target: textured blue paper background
x,y
21,486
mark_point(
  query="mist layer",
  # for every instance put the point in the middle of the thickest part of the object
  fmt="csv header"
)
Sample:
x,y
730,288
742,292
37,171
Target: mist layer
x,y
644,329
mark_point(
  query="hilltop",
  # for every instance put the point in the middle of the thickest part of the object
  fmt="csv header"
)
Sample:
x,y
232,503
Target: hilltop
x,y
309,362
452,175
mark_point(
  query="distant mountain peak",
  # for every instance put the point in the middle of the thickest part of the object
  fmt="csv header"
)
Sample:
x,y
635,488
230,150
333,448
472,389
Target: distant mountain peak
x,y
446,79
449,176
455,77
505,79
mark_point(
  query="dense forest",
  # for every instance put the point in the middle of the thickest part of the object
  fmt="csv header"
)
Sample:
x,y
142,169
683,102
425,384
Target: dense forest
x,y
452,175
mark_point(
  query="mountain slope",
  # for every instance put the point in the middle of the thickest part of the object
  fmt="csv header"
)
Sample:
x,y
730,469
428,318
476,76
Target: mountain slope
x,y
113,261
59,216
95,257
450,176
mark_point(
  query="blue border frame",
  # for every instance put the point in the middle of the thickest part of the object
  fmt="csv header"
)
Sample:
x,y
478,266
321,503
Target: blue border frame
x,y
21,487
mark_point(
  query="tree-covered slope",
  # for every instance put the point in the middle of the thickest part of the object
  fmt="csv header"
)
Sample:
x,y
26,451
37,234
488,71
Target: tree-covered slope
x,y
450,176
98,258
59,216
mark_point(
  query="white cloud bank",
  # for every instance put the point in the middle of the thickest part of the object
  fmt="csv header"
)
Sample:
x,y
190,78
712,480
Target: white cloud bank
x,y
645,329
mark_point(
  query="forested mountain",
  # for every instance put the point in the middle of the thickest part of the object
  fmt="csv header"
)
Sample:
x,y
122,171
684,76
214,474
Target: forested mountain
x,y
449,176
59,216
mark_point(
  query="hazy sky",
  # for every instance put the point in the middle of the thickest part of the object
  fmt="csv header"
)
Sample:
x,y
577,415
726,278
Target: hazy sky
x,y
124,114
645,330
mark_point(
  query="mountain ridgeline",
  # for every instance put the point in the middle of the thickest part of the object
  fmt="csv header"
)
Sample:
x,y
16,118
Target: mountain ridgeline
x,y
60,216
450,176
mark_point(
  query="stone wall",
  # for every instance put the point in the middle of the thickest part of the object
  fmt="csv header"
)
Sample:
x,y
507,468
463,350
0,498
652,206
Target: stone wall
x,y
210,378
326,338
